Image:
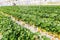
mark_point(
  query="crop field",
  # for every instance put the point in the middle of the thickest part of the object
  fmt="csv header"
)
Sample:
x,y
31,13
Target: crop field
x,y
9,30
44,17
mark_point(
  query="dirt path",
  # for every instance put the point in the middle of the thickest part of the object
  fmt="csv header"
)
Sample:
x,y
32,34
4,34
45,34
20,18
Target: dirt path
x,y
31,28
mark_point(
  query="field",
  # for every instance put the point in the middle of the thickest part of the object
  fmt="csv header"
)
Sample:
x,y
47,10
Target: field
x,y
9,30
45,17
